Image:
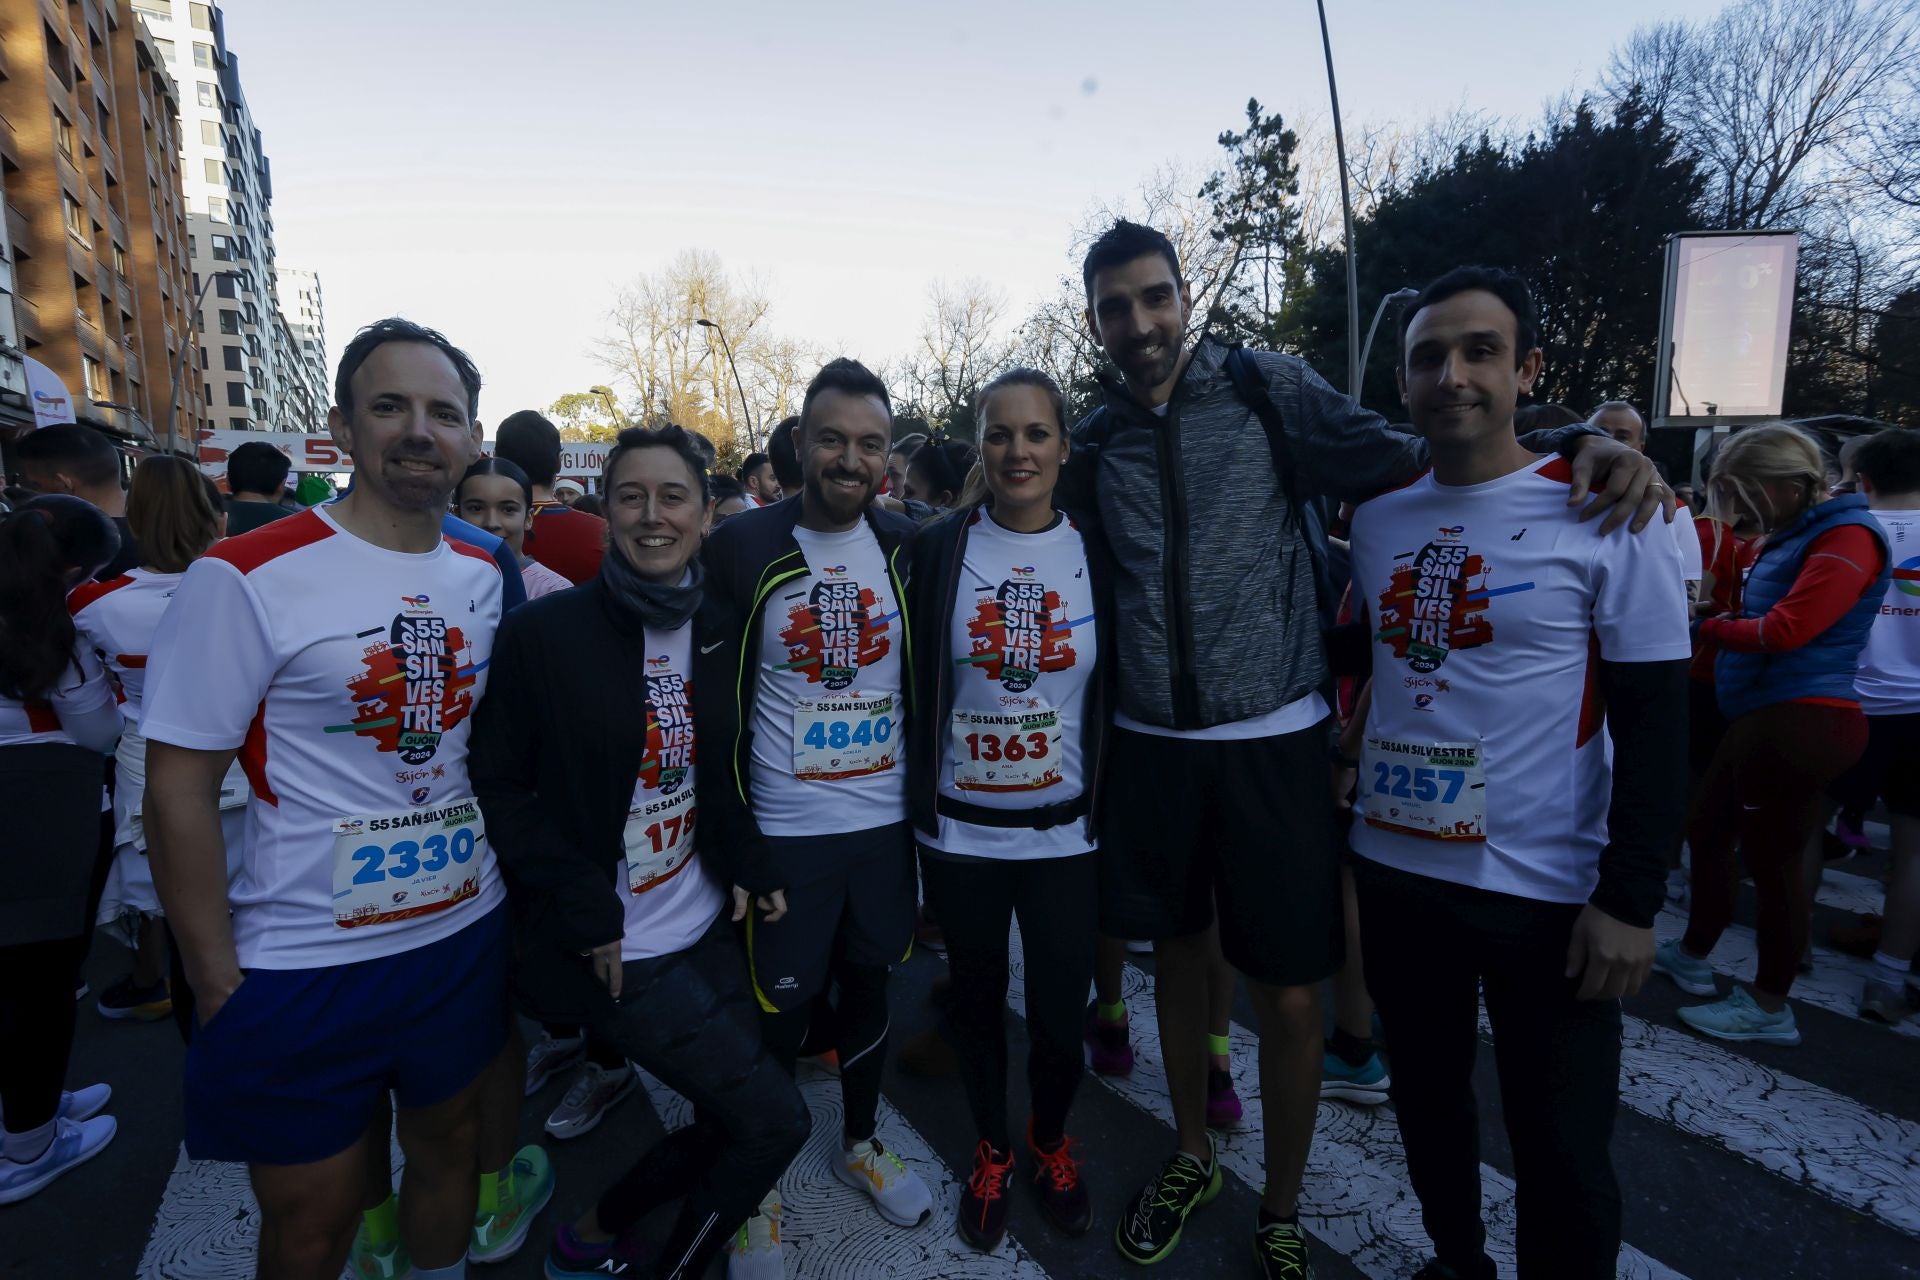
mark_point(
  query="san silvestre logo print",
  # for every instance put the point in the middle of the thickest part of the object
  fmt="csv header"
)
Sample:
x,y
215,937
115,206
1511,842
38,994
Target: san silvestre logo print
x,y
415,685
1014,635
1436,602
837,630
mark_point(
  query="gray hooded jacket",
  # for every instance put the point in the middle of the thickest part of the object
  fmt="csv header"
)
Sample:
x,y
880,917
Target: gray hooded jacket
x,y
1214,594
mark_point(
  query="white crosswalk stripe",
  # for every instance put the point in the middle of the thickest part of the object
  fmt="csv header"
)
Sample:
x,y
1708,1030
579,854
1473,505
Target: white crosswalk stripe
x,y
1846,891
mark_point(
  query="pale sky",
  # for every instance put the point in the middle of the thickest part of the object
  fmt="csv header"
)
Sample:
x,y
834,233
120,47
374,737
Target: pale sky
x,y
498,169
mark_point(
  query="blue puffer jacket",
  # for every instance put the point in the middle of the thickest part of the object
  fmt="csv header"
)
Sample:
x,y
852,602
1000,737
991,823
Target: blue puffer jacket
x,y
1825,666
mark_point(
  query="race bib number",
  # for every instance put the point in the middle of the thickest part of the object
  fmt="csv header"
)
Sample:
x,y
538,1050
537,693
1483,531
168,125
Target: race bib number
x,y
835,738
389,867
1437,790
1001,751
659,840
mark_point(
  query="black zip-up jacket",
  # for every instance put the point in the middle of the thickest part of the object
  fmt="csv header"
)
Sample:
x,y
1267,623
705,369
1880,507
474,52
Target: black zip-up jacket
x,y
936,555
747,559
556,747
1211,572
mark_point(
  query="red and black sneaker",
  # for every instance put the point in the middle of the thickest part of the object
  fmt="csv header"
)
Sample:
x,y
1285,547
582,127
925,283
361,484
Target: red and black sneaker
x,y
983,1205
1056,1181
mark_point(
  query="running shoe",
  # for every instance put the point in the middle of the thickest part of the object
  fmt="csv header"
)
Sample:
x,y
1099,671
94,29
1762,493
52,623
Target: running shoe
x,y
1365,1084
982,1220
549,1057
1885,998
1064,1201
1223,1104
1280,1251
754,1251
897,1191
1112,1051
1695,977
1738,1017
74,1143
592,1094
1151,1226
1851,829
1437,1270
571,1258
366,1261
500,1228
125,1002
77,1104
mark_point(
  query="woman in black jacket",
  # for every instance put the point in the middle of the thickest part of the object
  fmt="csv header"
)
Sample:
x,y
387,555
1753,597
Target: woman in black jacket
x,y
584,762
1004,757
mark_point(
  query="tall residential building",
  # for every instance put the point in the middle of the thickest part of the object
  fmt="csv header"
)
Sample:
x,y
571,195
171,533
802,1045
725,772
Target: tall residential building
x,y
95,231
247,351
306,376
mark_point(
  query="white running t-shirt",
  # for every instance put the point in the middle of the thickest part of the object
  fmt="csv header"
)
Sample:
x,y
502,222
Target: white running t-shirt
x,y
82,689
827,747
1492,607
1023,650
346,675
670,898
1888,682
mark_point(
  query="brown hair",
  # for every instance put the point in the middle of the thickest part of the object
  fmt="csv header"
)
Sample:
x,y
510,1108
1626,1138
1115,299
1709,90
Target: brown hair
x,y
172,518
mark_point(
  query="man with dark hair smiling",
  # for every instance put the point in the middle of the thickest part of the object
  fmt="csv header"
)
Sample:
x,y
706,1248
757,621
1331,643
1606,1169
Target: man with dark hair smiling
x,y
817,788
1219,816
1498,853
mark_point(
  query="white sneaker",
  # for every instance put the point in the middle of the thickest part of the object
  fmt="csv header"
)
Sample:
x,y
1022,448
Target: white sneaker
x,y
591,1095
77,1104
754,1252
549,1057
74,1143
897,1191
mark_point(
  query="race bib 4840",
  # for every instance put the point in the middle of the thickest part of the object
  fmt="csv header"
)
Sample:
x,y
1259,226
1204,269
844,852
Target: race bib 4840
x,y
835,738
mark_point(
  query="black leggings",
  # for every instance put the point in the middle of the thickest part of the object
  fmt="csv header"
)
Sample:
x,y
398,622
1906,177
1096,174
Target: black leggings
x,y
689,1019
36,1026
860,1037
1057,902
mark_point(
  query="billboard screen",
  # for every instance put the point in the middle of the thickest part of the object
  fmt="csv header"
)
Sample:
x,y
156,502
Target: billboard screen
x,y
1730,304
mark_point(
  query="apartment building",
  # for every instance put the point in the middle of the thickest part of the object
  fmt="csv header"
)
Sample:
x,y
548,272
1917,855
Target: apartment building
x,y
98,272
306,369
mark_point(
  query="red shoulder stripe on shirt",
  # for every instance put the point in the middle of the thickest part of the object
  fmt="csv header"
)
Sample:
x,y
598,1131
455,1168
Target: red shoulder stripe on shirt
x,y
249,551
87,592
468,549
41,717
1560,468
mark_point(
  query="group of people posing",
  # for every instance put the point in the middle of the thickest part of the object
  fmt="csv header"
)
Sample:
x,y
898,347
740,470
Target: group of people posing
x,y
682,805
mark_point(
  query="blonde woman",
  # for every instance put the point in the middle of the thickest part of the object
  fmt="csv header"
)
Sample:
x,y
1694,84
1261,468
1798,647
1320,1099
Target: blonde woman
x,y
1784,677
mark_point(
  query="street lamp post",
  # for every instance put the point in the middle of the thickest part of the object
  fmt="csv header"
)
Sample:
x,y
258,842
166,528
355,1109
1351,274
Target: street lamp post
x,y
1399,297
180,361
753,432
1346,210
606,393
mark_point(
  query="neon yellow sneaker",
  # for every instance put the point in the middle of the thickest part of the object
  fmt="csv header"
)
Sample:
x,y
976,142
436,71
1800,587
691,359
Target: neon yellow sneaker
x,y
754,1251
503,1218
385,1262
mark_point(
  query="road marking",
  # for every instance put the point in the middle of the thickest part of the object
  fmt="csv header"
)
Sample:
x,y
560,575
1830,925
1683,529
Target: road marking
x,y
831,1231
1357,1200
1846,891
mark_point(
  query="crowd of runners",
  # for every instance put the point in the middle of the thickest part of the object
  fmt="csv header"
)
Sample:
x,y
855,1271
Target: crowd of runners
x,y
466,780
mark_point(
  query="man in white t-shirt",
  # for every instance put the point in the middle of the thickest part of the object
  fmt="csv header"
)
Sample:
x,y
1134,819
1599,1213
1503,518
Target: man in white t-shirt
x,y
1623,422
1888,468
818,762
362,948
1496,852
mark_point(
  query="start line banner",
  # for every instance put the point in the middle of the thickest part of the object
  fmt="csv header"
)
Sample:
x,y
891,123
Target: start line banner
x,y
320,453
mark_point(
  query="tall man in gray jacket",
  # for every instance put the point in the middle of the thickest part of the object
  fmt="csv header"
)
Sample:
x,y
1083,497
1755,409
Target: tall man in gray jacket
x,y
1219,803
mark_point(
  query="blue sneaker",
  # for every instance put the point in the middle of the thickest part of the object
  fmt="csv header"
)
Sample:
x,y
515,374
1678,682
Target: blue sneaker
x,y
1738,1017
1365,1084
571,1258
74,1143
1695,977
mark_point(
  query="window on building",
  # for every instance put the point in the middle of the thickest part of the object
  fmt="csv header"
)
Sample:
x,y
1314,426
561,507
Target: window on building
x,y
229,321
210,133
96,375
224,286
163,8
63,134
222,249
216,172
236,395
76,216
202,55
230,356
209,96
166,49
57,56
120,261
202,16
217,208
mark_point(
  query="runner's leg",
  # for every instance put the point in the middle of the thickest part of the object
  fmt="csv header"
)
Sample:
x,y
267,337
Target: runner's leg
x,y
441,1185
1057,918
1180,969
974,899
308,1211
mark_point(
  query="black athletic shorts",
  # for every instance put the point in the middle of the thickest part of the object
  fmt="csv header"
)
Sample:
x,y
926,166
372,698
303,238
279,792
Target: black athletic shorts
x,y
1242,829
848,896
1889,769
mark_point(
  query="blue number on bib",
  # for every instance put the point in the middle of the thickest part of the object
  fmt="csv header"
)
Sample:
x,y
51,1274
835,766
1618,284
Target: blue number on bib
x,y
1417,784
839,735
373,855
1455,779
1380,783
463,844
863,733
816,736
882,729
436,847
408,853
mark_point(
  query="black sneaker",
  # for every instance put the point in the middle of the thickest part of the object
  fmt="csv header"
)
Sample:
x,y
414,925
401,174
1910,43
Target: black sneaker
x,y
1280,1249
124,1001
983,1202
1437,1270
1056,1181
1151,1225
